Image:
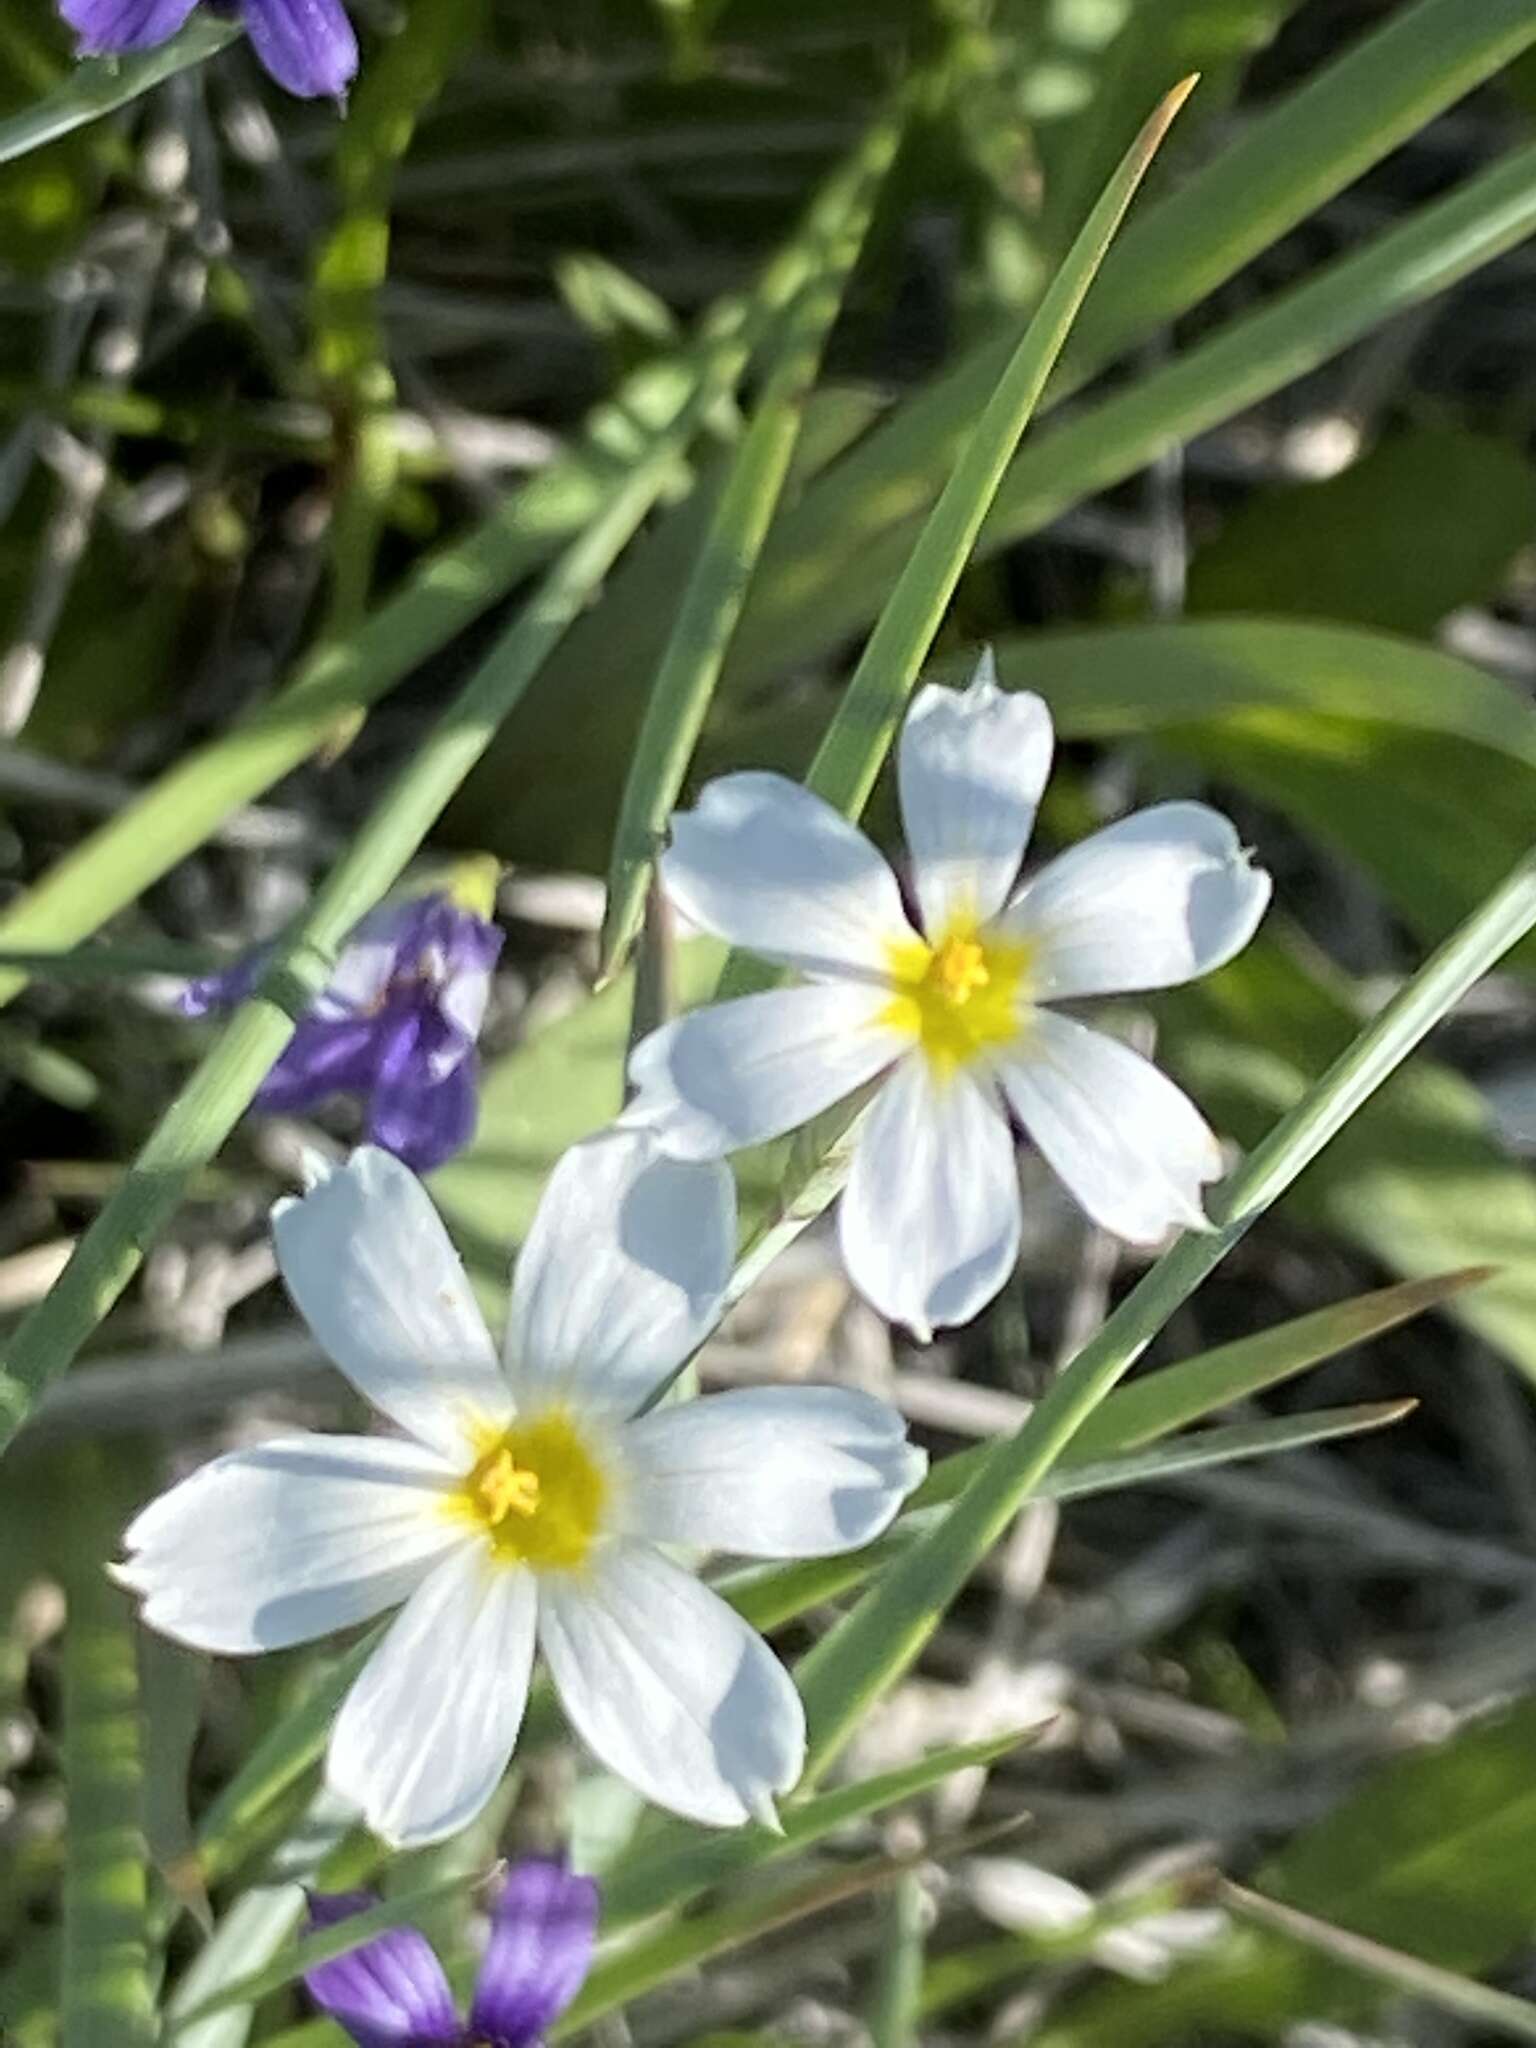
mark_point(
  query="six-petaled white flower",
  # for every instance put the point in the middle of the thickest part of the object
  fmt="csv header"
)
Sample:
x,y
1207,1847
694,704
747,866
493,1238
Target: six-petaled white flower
x,y
951,1006
527,1503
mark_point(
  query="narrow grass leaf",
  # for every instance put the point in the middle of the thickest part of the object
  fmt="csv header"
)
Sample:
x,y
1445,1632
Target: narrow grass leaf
x,y
103,84
861,731
1479,2005
106,1957
717,588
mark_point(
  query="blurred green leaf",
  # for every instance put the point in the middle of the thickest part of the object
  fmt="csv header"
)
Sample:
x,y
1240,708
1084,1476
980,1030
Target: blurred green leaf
x,y
1427,520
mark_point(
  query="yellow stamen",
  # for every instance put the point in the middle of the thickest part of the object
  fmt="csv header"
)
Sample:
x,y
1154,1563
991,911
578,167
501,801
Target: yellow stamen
x,y
538,1491
960,997
503,1488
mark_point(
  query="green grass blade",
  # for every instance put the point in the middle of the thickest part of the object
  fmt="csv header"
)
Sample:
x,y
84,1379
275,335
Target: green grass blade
x,y
717,587
220,1091
351,355
1197,1387
860,734
1509,2017
103,84
1287,161
806,602
872,1646
898,1989
676,1863
339,681
106,1960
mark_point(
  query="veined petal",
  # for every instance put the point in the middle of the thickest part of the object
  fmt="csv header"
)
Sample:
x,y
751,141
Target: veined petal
x,y
772,868
622,1272
543,1925
371,1270
971,765
740,1072
324,1057
929,1222
419,1114
389,1992
106,27
289,1541
770,1471
1131,1147
670,1689
425,1734
1157,899
307,45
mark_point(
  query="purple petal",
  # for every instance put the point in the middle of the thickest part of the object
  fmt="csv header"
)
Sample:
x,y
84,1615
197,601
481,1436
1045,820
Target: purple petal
x,y
212,993
321,1059
423,1120
470,951
307,45
389,1992
106,27
542,1930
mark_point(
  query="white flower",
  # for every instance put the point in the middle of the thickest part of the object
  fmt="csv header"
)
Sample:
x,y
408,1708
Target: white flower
x,y
952,1010
524,1505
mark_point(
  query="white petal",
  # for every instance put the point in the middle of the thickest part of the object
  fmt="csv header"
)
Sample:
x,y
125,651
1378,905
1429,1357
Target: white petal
x,y
972,764
770,1471
744,1071
670,1689
765,864
622,1272
929,1223
1131,1147
291,1540
425,1734
1157,899
373,1273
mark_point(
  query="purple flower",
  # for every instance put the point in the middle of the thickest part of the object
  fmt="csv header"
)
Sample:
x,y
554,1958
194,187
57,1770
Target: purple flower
x,y
397,1025
391,1992
307,45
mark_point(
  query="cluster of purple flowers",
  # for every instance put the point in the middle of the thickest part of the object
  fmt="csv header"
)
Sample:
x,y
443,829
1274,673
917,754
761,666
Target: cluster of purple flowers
x,y
307,45
397,1026
391,1992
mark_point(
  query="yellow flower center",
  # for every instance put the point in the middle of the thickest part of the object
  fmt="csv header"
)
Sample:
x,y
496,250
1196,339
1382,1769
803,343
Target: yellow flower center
x,y
538,1492
961,996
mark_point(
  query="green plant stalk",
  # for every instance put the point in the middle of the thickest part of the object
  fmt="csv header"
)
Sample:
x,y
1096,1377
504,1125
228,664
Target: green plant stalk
x,y
860,734
106,1986
898,1988
1478,2004
177,813
350,357
219,1092
104,84
717,585
871,1647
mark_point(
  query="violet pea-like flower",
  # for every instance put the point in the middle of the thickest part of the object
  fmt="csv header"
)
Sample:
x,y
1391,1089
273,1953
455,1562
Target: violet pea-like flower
x,y
397,1025
307,45
391,1992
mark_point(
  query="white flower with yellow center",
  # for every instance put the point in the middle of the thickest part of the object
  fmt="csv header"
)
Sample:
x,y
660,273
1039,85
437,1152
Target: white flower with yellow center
x,y
527,1503
952,1006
